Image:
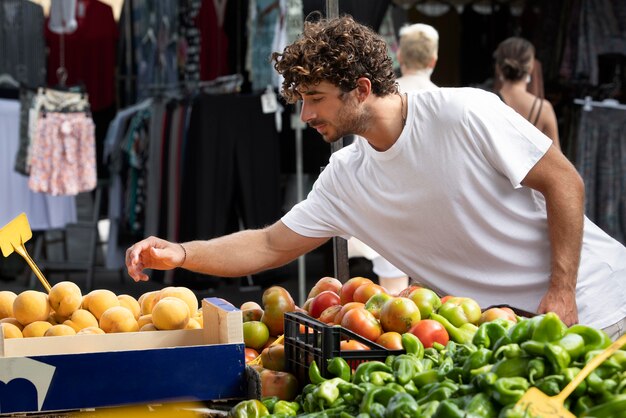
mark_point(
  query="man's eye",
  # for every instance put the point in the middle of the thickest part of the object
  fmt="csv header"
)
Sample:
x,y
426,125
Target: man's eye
x,y
316,99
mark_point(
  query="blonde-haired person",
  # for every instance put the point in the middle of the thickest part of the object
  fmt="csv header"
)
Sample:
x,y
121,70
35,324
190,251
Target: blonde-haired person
x,y
514,63
417,56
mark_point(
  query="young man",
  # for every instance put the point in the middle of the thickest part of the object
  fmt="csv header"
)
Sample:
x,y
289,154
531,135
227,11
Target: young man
x,y
450,185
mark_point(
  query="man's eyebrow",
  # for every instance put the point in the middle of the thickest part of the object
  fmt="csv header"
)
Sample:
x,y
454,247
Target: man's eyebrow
x,y
310,92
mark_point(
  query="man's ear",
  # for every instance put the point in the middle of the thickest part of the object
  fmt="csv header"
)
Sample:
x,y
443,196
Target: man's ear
x,y
363,88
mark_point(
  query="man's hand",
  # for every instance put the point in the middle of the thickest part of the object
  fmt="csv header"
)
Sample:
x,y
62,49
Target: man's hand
x,y
562,302
153,253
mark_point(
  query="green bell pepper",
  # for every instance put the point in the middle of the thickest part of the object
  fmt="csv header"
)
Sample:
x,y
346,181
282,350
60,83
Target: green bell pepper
x,y
582,404
401,405
437,391
595,339
364,370
536,369
485,381
427,409
569,374
509,390
476,360
615,408
449,409
326,393
480,405
405,367
412,345
380,395
426,377
380,378
511,367
549,328
557,356
574,344
269,402
315,375
252,408
339,367
508,351
287,408
550,385
411,389
462,334
445,366
489,333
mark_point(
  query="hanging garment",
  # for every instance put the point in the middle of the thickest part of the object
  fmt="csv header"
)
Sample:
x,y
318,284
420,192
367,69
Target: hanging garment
x,y
89,53
213,39
63,16
63,155
43,211
231,170
601,161
22,43
113,155
33,103
263,19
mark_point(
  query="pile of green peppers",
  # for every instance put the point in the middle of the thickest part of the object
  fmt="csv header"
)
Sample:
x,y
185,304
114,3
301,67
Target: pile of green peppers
x,y
483,377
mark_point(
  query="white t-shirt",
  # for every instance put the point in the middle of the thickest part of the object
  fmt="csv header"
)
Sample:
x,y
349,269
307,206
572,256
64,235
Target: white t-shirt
x,y
419,80
445,205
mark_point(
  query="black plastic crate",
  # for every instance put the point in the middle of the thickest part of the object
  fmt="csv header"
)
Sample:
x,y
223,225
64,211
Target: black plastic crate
x,y
307,340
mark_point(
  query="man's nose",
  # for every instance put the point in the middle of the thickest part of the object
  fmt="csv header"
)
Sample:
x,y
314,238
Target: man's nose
x,y
306,114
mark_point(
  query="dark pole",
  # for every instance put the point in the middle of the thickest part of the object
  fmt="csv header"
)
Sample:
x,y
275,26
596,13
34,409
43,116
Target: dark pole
x,y
340,245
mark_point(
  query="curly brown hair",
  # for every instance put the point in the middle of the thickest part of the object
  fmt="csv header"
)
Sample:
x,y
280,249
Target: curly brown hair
x,y
339,51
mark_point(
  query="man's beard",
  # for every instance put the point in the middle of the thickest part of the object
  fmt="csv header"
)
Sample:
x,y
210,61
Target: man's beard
x,y
347,123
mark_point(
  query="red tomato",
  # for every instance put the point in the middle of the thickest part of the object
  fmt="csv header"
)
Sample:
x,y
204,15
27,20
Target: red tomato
x,y
366,291
348,288
429,331
361,321
445,298
250,354
391,340
345,308
322,301
325,283
491,314
347,345
407,291
328,315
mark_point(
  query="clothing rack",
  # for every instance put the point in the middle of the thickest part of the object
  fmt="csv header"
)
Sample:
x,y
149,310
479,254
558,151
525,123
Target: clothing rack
x,y
588,104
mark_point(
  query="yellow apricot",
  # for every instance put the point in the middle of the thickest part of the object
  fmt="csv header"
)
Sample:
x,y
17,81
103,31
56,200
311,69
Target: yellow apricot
x,y
36,329
183,293
148,300
64,298
58,330
100,300
148,327
90,330
170,313
81,318
118,319
131,303
30,306
6,303
10,330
